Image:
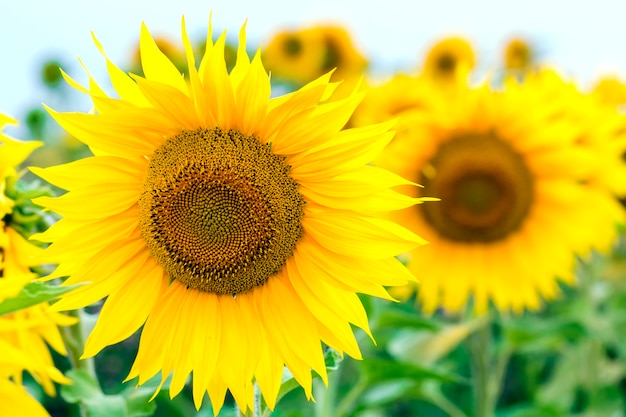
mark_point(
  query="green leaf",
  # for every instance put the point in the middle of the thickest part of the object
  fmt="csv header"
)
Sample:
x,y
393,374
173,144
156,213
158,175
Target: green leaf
x,y
85,390
530,410
395,319
424,347
387,392
377,370
34,293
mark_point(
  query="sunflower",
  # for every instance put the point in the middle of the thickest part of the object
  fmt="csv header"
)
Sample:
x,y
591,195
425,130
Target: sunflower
x,y
519,187
15,399
341,54
611,90
518,55
245,224
295,55
600,127
303,55
400,97
30,330
449,59
24,334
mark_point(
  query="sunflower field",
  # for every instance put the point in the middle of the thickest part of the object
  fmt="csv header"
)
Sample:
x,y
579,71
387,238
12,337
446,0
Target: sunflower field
x,y
238,227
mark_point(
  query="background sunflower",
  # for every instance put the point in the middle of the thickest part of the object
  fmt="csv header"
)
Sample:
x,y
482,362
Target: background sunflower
x,y
511,183
26,327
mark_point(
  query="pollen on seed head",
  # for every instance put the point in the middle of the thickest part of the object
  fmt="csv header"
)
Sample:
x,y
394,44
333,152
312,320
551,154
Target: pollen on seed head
x,y
219,211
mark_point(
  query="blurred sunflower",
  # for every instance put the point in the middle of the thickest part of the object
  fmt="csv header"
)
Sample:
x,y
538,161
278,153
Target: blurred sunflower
x,y
520,194
450,59
610,90
29,330
24,334
601,127
402,97
518,55
303,55
295,56
342,54
246,225
15,399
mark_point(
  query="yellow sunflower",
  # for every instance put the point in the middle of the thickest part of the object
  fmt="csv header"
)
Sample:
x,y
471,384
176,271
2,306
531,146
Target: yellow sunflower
x,y
401,96
449,59
340,53
15,399
24,334
518,55
30,330
519,191
295,55
303,55
601,127
244,224
610,90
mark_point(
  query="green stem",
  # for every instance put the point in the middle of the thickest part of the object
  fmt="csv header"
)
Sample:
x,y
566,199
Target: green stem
x,y
325,396
502,361
74,340
488,368
481,350
446,405
350,398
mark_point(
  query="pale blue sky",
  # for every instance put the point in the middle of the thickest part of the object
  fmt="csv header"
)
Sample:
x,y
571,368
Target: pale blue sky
x,y
583,38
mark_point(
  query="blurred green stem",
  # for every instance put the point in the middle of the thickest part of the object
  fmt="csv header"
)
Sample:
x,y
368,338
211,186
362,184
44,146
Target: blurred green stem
x,y
74,340
480,351
326,395
328,405
446,405
488,366
350,398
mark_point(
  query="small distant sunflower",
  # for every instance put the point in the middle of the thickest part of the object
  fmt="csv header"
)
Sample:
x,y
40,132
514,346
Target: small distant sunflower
x,y
295,56
610,90
519,195
400,96
518,55
304,55
245,224
341,53
450,59
24,334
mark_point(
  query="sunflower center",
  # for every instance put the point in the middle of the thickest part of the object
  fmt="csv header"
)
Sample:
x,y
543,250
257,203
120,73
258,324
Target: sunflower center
x,y
332,55
293,46
485,187
446,63
219,211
